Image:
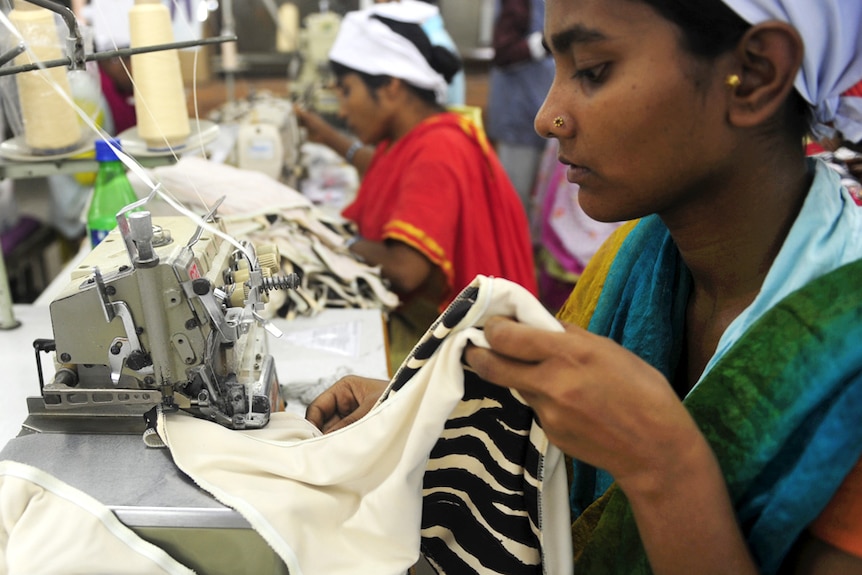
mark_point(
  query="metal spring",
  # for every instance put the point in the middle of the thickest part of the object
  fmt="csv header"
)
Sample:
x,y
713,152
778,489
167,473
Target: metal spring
x,y
290,281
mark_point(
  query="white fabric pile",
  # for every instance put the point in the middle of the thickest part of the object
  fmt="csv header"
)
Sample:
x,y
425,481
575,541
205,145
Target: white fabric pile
x,y
265,211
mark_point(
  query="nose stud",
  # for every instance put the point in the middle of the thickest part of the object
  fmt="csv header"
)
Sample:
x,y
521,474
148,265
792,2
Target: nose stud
x,y
733,81
559,122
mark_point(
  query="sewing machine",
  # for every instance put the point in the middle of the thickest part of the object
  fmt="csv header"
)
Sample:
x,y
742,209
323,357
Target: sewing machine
x,y
162,313
92,441
264,135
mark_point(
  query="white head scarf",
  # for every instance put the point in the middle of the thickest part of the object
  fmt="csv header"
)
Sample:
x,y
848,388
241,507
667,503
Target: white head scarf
x,y
368,45
832,33
413,11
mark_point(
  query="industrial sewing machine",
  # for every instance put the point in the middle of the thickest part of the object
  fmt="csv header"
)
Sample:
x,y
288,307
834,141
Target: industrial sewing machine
x,y
161,312
265,136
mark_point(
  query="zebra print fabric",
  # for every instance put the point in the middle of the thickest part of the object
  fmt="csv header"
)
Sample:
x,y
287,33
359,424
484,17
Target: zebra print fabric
x,y
481,508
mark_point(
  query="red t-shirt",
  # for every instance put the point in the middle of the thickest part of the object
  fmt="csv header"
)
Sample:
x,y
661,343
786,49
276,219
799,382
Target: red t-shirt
x,y
441,190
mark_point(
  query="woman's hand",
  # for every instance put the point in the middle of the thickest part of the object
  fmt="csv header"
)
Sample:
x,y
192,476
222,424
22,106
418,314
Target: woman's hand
x,y
345,402
605,406
596,401
318,129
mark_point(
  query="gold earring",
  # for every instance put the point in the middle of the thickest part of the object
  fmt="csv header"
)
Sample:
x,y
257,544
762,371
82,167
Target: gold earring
x,y
732,81
559,122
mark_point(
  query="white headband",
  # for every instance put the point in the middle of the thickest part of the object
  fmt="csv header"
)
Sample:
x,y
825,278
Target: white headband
x,y
368,45
413,11
832,33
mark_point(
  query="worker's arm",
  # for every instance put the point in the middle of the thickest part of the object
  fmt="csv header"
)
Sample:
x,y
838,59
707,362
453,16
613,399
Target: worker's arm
x,y
322,132
406,268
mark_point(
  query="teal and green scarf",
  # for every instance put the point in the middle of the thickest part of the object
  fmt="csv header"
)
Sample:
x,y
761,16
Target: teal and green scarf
x,y
782,409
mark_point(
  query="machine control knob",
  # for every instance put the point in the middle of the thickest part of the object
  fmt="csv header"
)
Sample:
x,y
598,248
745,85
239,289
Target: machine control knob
x,y
138,360
201,286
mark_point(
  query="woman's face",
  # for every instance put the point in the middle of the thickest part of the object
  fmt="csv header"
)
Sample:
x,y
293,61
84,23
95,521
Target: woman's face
x,y
644,127
364,115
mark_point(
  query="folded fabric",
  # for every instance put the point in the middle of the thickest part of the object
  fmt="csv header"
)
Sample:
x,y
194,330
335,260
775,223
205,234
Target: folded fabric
x,y
311,242
442,452
198,182
46,526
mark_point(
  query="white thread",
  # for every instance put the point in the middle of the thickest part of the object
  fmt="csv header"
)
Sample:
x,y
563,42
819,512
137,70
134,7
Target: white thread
x,y
160,99
50,124
157,190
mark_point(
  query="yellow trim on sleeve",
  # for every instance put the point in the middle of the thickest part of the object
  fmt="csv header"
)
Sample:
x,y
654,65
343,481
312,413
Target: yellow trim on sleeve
x,y
419,240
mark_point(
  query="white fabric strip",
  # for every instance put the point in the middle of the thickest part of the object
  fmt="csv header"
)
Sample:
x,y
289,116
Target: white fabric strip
x,y
47,526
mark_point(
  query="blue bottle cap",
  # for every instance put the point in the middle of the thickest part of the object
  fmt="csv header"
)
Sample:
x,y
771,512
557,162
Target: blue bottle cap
x,y
104,153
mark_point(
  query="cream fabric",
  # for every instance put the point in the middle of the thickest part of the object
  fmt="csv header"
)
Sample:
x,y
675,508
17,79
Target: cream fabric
x,y
368,45
48,527
350,502
832,32
200,183
309,240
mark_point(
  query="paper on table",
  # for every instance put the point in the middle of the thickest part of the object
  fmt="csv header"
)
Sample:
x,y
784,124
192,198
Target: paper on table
x,y
342,338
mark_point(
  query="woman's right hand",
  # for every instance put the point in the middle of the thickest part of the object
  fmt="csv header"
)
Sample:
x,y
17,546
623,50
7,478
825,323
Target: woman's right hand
x,y
318,129
346,401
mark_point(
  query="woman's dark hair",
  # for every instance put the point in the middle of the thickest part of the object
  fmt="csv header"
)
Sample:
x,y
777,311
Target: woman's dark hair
x,y
442,60
710,28
372,81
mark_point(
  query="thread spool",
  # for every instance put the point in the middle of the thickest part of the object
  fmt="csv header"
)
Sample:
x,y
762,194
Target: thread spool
x,y
229,57
322,30
160,99
50,122
288,28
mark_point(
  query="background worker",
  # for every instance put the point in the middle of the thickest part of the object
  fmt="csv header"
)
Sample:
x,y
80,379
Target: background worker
x,y
520,76
434,207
